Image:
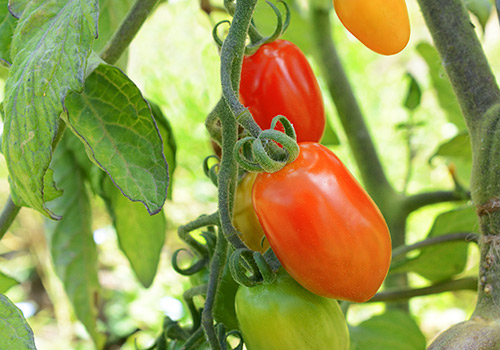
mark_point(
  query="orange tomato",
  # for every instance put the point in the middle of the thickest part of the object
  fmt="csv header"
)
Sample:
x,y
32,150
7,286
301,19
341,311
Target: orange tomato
x,y
244,218
381,25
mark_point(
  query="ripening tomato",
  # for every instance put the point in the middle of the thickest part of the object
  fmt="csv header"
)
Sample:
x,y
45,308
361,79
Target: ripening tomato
x,y
285,316
277,79
244,218
381,25
324,228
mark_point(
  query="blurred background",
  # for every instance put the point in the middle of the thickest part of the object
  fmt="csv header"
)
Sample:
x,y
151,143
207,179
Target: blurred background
x,y
175,63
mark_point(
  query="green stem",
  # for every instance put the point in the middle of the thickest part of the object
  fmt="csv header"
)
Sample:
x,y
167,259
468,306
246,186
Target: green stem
x,y
216,268
9,213
348,109
468,283
479,96
417,201
127,30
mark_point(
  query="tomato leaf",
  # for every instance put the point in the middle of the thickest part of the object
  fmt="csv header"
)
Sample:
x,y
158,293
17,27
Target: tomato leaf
x,y
140,236
15,333
71,241
224,310
330,137
115,124
450,257
445,95
481,9
457,151
49,49
6,282
7,25
394,330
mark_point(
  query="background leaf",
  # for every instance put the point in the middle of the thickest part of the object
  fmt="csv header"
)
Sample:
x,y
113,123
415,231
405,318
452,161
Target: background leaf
x,y
43,71
393,330
445,95
140,236
15,333
71,241
6,282
451,257
481,9
115,123
457,151
413,95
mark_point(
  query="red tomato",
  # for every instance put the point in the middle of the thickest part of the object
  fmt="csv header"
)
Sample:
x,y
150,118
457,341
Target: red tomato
x,y
278,79
381,25
324,228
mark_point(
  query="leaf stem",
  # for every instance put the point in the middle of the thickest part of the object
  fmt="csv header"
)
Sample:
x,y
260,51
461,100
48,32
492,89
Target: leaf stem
x,y
457,236
467,283
129,27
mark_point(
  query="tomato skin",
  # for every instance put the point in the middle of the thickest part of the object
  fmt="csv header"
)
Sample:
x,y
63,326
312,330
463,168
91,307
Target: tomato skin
x,y
284,316
381,25
244,218
324,228
278,79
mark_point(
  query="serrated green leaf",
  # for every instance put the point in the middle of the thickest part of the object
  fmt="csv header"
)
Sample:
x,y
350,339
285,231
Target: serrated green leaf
x,y
71,241
443,261
7,25
413,95
49,49
169,144
140,236
457,151
115,123
6,282
481,9
15,333
393,330
445,95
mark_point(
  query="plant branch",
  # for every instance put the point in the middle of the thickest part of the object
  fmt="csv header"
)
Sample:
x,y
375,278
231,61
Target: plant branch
x,y
414,202
457,236
462,55
348,108
128,29
9,213
467,283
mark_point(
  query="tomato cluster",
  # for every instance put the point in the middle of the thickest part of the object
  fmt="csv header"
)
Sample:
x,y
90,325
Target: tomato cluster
x,y
381,25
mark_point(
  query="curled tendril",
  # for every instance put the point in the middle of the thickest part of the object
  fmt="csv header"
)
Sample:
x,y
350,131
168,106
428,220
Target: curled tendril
x,y
249,268
191,270
265,155
211,171
281,27
215,34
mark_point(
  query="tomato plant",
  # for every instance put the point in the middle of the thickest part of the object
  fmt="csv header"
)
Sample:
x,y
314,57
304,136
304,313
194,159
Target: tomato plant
x,y
278,79
381,25
324,228
284,315
244,217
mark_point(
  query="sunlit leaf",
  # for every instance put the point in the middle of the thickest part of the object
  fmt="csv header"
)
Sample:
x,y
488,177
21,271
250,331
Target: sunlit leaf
x,y
49,50
15,333
114,122
6,282
481,9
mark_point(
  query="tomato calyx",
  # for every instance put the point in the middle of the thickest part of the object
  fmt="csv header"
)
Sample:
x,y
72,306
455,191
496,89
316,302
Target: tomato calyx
x,y
261,153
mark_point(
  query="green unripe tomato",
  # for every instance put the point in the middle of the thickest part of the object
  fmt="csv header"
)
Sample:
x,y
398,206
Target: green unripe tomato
x,y
284,316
